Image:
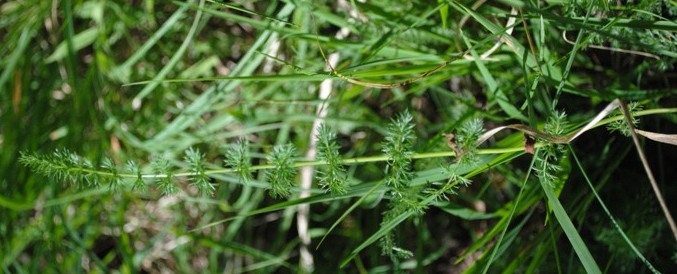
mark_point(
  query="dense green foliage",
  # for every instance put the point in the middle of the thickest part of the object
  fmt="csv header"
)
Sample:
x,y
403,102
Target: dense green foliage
x,y
155,136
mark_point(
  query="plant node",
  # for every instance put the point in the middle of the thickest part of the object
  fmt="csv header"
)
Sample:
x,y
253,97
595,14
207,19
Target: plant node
x,y
332,177
281,177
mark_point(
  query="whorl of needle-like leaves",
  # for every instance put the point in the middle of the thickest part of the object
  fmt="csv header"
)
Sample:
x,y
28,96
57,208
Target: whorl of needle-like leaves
x,y
388,242
547,159
197,167
466,138
398,144
281,176
114,180
332,176
237,158
139,183
63,166
620,125
438,191
165,180
557,124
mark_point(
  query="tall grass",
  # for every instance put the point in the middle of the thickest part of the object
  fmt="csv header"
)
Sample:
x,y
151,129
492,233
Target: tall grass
x,y
169,136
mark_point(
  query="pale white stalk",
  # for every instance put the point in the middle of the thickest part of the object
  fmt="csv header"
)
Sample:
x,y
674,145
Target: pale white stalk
x,y
508,24
307,262
272,51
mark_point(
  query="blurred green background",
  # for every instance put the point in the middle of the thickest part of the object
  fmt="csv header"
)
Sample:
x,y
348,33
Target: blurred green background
x,y
72,78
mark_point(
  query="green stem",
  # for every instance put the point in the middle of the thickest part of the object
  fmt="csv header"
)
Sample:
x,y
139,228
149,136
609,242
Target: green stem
x,y
359,160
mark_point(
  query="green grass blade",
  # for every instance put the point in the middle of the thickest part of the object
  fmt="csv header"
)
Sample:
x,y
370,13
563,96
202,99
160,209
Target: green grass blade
x,y
231,6
444,13
509,218
518,48
352,207
494,91
247,64
80,40
122,72
242,249
572,57
611,217
173,61
320,198
570,231
253,78
13,59
382,231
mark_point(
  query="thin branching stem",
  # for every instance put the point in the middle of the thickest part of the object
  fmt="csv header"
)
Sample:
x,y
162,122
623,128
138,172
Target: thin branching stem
x,y
348,161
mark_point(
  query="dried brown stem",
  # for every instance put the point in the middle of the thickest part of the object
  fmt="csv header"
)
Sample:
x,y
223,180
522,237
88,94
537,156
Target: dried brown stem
x,y
647,168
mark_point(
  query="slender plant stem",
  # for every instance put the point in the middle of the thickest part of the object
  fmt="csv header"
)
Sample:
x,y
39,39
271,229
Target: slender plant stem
x,y
368,159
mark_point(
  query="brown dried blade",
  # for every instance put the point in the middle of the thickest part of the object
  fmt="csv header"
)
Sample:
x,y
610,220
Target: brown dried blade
x,y
647,168
659,137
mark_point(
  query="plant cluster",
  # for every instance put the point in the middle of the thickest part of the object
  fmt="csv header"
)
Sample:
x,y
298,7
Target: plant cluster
x,y
642,40
439,150
333,176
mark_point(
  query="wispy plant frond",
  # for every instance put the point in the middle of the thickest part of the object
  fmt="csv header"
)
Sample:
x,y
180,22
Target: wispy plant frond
x,y
332,176
281,177
165,181
197,167
620,125
466,140
237,157
134,168
114,180
62,166
397,146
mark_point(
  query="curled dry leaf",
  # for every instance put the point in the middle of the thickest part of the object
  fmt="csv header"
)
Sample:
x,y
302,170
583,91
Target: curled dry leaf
x,y
451,141
659,137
